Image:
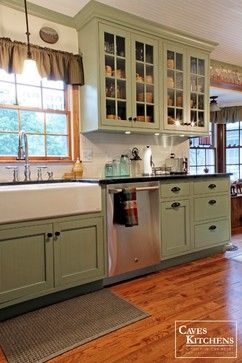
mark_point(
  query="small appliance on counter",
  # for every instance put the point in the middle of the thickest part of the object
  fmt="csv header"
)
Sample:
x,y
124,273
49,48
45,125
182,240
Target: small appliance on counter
x,y
176,165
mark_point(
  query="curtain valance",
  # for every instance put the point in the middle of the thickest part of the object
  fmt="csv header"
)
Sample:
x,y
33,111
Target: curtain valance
x,y
227,115
52,64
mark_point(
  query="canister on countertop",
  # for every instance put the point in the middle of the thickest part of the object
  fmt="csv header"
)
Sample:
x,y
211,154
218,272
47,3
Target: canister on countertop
x,y
135,163
124,165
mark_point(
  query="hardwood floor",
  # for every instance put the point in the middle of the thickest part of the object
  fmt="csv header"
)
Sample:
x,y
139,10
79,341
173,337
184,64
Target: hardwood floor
x,y
206,289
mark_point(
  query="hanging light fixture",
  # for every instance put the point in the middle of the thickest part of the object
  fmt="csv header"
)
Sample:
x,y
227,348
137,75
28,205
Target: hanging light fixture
x,y
30,69
213,104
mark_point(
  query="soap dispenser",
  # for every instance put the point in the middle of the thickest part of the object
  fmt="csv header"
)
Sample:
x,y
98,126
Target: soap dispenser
x,y
78,169
148,161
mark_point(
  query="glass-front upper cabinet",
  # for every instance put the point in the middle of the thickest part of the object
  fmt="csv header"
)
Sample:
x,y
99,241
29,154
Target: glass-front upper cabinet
x,y
198,92
128,76
185,90
115,75
145,81
174,80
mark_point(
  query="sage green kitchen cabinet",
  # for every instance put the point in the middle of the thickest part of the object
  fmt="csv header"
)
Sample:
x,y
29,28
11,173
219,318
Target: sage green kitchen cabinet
x,y
175,227
125,88
26,261
41,257
186,85
78,251
139,74
195,215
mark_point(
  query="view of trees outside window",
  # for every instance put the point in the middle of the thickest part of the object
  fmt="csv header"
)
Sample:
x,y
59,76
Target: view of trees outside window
x,y
202,153
234,150
37,108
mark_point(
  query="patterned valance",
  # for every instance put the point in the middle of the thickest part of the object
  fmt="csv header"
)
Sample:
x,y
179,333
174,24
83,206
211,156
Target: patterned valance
x,y
52,64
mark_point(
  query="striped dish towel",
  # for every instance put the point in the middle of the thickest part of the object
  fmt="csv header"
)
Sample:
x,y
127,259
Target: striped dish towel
x,y
130,207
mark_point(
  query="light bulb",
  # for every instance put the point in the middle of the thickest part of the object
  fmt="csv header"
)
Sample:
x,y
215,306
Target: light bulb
x,y
30,70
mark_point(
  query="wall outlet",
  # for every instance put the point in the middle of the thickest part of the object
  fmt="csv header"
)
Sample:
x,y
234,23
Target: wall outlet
x,y
87,155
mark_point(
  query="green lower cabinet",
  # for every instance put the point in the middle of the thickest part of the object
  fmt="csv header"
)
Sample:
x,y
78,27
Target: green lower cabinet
x,y
175,227
26,261
78,251
212,233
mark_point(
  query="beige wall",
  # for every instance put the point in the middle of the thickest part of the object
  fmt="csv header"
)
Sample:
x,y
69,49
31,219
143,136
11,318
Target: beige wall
x,y
12,25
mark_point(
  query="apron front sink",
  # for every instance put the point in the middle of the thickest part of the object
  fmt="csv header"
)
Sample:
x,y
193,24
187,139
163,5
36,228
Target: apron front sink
x,y
34,201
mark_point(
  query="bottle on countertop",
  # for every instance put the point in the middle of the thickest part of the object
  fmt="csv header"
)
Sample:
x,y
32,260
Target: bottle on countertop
x,y
148,161
78,169
124,165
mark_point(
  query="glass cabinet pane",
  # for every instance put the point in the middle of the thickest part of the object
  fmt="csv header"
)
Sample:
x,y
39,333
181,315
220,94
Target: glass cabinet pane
x,y
197,92
175,88
144,65
115,77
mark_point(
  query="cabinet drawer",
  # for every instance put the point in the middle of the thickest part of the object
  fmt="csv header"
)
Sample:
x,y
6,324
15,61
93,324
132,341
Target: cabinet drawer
x,y
175,190
211,186
211,207
212,233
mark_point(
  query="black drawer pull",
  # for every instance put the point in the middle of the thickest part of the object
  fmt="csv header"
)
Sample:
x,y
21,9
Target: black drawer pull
x,y
212,186
135,119
175,189
49,235
212,202
175,205
57,234
212,227
130,118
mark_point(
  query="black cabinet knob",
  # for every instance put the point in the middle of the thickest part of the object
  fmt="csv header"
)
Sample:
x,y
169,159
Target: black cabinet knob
x,y
57,233
135,119
175,189
212,202
212,227
175,205
212,186
130,118
49,235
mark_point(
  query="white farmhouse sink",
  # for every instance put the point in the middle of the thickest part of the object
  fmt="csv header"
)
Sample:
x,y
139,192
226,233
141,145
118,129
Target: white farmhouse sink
x,y
33,201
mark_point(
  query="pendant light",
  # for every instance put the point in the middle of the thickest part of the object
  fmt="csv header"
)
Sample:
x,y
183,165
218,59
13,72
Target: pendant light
x,y
213,104
30,69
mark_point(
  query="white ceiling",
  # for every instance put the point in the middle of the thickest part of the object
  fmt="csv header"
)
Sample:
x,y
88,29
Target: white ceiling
x,y
219,21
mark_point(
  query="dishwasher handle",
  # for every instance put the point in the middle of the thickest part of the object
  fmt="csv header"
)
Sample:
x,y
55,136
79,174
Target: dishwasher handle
x,y
138,189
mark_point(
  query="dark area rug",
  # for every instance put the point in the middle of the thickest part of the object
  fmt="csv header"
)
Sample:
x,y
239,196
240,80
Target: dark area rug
x,y
45,333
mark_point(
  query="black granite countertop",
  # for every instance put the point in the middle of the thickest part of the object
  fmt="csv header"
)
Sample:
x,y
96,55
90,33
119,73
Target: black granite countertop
x,y
118,179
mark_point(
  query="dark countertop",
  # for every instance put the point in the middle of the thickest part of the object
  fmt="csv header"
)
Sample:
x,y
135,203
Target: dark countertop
x,y
118,179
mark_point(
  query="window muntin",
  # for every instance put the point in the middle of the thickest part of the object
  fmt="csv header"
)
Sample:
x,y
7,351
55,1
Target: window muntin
x,y
40,109
202,153
233,149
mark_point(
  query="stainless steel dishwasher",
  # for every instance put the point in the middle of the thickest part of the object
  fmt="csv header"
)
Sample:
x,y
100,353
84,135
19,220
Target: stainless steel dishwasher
x,y
133,248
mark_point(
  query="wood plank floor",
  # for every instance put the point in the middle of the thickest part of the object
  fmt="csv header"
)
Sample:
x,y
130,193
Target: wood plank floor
x,y
206,289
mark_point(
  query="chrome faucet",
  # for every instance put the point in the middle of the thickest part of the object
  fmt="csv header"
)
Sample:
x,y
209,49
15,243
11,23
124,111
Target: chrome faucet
x,y
23,153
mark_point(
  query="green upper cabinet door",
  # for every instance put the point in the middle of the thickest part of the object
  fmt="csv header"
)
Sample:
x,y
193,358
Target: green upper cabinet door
x,y
78,251
186,82
26,261
128,78
198,91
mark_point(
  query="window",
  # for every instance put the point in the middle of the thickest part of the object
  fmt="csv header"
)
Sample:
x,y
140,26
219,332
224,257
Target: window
x,y
234,149
202,153
40,109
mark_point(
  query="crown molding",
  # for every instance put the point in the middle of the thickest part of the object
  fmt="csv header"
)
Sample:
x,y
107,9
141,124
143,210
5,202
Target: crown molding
x,y
40,12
